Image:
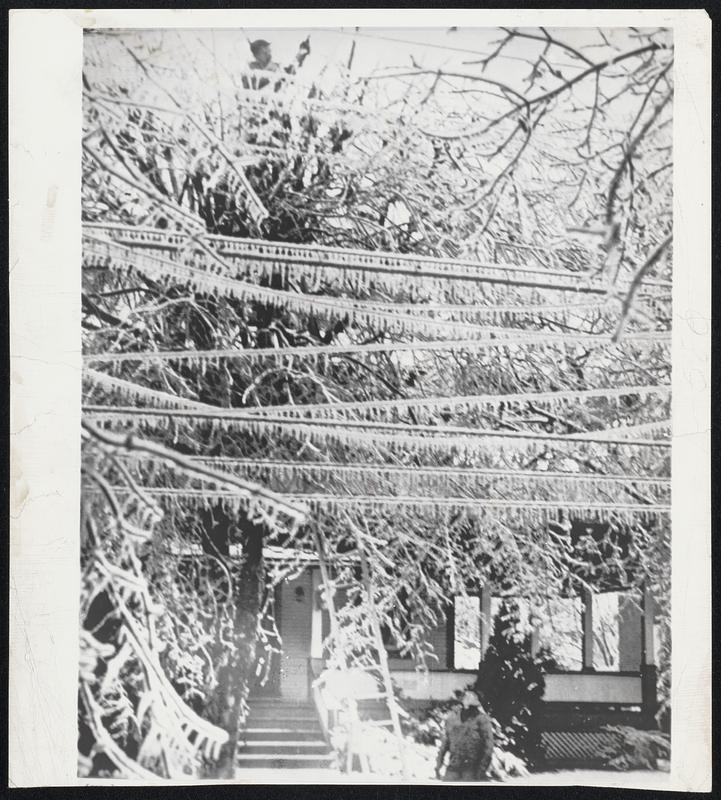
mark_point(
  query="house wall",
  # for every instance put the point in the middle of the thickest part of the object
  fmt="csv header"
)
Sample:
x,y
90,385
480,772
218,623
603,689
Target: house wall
x,y
431,685
301,623
439,639
600,687
566,687
437,636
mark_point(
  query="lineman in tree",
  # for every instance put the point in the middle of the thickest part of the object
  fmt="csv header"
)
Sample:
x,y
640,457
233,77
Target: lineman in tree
x,y
468,738
263,61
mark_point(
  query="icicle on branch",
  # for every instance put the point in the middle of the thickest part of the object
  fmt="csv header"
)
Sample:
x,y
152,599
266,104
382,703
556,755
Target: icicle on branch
x,y
532,340
106,744
326,468
357,431
319,257
539,510
437,480
135,391
374,410
108,254
258,499
484,402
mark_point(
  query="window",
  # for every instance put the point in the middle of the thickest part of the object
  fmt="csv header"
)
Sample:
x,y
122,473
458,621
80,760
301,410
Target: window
x,y
559,625
617,631
560,631
393,647
660,643
556,625
520,604
394,639
466,632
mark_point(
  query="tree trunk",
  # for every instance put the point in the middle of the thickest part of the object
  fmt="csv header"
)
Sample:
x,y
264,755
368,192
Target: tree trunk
x,y
235,675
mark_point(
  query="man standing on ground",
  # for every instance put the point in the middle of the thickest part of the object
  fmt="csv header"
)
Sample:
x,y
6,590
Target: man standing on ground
x,y
468,738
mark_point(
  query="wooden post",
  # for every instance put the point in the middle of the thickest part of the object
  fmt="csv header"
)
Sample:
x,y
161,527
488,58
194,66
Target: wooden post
x,y
486,620
648,646
649,697
535,639
587,625
451,635
316,630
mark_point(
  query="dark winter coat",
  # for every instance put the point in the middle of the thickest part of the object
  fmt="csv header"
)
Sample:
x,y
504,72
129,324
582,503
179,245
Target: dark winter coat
x,y
468,737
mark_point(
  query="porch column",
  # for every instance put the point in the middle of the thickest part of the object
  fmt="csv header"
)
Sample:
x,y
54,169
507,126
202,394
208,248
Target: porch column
x,y
486,623
535,638
316,624
648,652
587,626
451,635
649,695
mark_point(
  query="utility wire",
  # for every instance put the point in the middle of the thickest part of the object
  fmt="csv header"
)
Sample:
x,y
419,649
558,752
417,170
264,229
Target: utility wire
x,y
468,51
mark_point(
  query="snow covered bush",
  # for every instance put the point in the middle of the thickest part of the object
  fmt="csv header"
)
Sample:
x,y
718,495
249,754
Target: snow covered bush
x,y
635,749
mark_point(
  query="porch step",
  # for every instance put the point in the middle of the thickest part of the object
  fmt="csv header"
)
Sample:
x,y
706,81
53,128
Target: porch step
x,y
280,711
262,733
281,720
273,716
275,700
285,747
283,735
290,761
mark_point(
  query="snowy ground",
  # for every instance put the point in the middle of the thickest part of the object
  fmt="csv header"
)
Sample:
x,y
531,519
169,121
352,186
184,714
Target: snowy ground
x,y
641,779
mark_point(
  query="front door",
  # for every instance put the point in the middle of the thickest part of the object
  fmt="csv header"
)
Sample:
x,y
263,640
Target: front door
x,y
296,612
